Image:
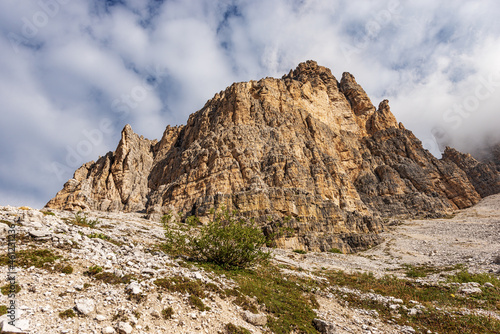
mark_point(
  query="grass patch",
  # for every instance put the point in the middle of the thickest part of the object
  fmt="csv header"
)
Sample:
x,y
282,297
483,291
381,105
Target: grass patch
x,y
286,298
335,251
198,303
67,314
61,268
31,257
182,285
434,297
437,321
233,329
111,278
99,236
3,310
48,213
428,295
167,313
81,219
464,276
424,270
299,251
6,289
417,271
245,303
105,237
93,270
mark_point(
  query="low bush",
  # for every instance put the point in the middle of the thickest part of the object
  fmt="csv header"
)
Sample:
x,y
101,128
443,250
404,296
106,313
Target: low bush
x,y
233,329
7,289
229,241
93,270
167,313
81,219
67,314
198,303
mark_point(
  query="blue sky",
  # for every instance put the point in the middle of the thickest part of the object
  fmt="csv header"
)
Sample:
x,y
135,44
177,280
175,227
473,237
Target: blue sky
x,y
73,73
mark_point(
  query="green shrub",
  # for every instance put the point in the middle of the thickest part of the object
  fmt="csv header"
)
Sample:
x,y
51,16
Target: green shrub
x,y
336,251
167,313
66,269
81,219
93,270
6,289
3,310
99,236
299,251
67,314
228,241
233,329
198,303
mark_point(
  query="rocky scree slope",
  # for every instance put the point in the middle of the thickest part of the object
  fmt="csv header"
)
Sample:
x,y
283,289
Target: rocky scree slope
x,y
125,297
305,146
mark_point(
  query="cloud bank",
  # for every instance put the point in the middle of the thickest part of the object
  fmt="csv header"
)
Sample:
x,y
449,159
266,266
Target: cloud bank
x,y
73,73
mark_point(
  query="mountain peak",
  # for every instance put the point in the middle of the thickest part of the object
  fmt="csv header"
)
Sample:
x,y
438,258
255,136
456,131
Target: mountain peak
x,y
304,147
309,68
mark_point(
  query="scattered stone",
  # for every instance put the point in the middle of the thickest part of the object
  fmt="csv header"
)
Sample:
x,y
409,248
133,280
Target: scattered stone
x,y
100,317
470,290
9,329
488,285
413,311
324,327
108,330
23,325
254,319
134,288
40,235
85,306
124,328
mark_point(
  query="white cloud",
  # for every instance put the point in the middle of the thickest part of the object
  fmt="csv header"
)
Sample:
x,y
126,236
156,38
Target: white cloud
x,y
72,65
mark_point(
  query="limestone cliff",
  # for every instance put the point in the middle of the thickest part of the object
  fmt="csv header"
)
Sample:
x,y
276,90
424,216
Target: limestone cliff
x,y
304,146
483,176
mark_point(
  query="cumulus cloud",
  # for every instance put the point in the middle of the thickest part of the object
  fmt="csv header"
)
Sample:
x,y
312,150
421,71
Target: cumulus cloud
x,y
74,73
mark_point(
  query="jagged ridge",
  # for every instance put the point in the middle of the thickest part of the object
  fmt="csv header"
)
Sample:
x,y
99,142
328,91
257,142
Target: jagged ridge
x,y
304,146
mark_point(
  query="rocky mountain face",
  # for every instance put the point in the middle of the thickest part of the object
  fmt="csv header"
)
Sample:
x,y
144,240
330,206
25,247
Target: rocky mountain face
x,y
490,154
305,146
483,176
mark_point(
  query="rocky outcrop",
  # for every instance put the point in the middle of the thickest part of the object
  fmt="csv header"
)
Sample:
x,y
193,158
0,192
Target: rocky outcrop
x,y
483,176
304,146
489,154
117,181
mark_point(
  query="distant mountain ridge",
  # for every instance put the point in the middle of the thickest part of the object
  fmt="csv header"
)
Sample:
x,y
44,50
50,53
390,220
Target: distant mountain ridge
x,y
305,146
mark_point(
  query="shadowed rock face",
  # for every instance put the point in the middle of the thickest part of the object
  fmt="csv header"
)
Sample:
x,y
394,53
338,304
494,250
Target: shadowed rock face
x,y
483,176
303,146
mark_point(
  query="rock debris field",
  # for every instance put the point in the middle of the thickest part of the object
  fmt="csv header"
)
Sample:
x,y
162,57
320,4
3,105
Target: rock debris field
x,y
56,299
